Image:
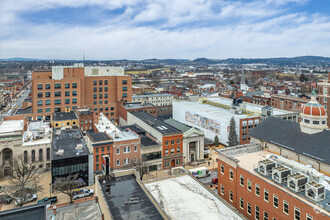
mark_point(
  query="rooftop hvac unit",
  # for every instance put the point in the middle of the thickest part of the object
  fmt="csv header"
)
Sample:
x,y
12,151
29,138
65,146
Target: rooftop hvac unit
x,y
265,167
297,182
280,174
315,191
60,152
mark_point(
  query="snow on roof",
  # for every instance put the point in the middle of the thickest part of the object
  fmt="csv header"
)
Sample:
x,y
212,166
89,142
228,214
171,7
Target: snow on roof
x,y
184,198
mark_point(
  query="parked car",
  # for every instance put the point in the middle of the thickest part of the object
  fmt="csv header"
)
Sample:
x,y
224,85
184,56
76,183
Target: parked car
x,y
30,198
52,200
82,193
4,199
215,180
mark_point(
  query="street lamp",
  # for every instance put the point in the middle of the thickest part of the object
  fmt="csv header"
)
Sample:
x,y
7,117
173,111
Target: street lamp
x,y
50,189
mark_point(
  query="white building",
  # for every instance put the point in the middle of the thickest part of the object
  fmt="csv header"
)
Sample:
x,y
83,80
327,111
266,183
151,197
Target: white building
x,y
159,99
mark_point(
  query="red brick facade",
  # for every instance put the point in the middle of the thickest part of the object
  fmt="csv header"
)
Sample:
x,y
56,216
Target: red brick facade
x,y
172,151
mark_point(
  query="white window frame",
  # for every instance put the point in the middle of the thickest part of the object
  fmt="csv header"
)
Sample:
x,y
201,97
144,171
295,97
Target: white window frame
x,y
286,202
118,163
274,201
265,215
231,193
118,151
231,172
247,185
255,212
222,169
135,148
240,180
265,190
309,217
257,186
247,209
294,213
241,203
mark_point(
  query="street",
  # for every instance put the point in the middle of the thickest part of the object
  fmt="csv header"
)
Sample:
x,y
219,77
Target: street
x,y
208,180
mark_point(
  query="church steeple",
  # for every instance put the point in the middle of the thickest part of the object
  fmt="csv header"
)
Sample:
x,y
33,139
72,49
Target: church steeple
x,y
243,86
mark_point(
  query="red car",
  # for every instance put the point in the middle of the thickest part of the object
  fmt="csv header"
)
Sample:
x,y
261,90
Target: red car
x,y
215,180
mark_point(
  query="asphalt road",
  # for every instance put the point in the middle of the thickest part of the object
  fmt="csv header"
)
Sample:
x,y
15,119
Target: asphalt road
x,y
18,103
208,180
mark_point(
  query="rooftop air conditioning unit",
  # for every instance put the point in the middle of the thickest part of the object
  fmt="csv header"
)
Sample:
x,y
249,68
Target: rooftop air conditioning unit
x,y
297,182
116,135
60,152
79,147
265,167
315,191
280,174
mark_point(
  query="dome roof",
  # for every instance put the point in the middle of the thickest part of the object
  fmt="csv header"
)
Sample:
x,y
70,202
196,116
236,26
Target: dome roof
x,y
313,108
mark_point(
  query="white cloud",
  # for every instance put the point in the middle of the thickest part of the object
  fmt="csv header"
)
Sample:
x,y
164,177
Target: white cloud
x,y
255,29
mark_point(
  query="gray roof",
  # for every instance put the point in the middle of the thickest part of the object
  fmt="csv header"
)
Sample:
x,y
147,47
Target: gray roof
x,y
178,125
287,134
252,93
147,142
135,105
68,141
134,128
151,95
100,136
156,123
61,116
27,110
31,212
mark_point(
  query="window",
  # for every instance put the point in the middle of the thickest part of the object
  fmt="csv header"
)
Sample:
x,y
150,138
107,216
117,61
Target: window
x,y
241,203
105,82
95,89
178,161
118,151
47,110
127,161
286,207
74,85
249,211
124,95
325,99
67,85
105,101
48,154
124,88
249,185
94,96
316,122
100,89
266,194
265,216
257,212
135,148
106,108
57,85
67,101
309,217
112,108
231,195
101,109
118,163
39,86
112,113
222,191
166,152
172,150
166,142
39,102
95,109
172,142
94,82
47,86
39,110
105,89
222,169
94,102
40,155
106,95
127,149
58,94
74,93
96,150
296,213
39,94
275,201
178,150
102,149
100,82
74,101
257,190
242,180
33,156
47,94
178,141
100,96
124,82
231,174
166,163
25,156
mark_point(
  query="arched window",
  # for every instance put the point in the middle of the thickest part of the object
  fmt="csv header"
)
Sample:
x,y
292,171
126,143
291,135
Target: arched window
x,y
33,156
48,153
40,155
25,156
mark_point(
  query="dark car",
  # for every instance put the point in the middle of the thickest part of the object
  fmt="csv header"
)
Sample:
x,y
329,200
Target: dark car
x,y
4,199
215,180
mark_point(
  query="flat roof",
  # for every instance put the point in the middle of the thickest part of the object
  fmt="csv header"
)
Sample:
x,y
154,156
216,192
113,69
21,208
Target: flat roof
x,y
134,105
38,132
27,110
84,111
30,212
100,136
135,128
62,116
156,123
123,188
151,95
148,142
185,198
178,125
11,126
68,140
248,160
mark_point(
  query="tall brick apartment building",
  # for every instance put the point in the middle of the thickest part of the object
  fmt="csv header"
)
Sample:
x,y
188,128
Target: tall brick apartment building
x,y
288,103
324,95
249,180
65,88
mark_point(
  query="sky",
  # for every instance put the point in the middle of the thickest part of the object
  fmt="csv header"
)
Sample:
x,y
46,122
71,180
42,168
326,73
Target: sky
x,y
181,29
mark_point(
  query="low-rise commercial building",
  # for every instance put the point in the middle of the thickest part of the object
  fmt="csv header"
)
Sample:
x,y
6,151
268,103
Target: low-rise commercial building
x,y
65,119
85,119
158,99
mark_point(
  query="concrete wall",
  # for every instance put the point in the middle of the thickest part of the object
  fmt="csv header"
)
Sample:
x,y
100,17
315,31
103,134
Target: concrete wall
x,y
102,201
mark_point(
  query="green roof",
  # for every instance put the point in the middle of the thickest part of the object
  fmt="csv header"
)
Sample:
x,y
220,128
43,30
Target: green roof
x,y
178,125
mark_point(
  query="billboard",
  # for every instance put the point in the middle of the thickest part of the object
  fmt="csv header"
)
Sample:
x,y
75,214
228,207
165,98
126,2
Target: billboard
x,y
203,122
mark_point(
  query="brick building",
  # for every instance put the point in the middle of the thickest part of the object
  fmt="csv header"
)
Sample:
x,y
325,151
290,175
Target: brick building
x,y
288,102
170,138
324,91
133,107
70,87
256,193
85,119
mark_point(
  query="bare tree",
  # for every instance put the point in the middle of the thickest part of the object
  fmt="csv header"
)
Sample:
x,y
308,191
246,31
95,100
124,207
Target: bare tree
x,y
67,184
24,180
141,167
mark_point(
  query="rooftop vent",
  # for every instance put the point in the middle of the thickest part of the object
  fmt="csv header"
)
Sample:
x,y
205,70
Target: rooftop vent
x,y
116,135
79,147
315,191
60,152
297,182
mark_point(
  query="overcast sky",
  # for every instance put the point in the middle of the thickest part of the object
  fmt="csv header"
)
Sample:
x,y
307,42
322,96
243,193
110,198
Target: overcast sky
x,y
143,29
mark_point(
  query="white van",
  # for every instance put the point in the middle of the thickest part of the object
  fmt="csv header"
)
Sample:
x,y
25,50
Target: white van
x,y
200,172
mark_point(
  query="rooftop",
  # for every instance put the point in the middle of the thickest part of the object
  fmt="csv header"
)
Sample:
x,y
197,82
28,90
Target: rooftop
x,y
185,198
291,98
178,125
27,110
156,123
134,128
100,136
288,134
248,158
84,111
11,126
124,188
147,142
70,141
135,105
62,116
38,132
152,95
